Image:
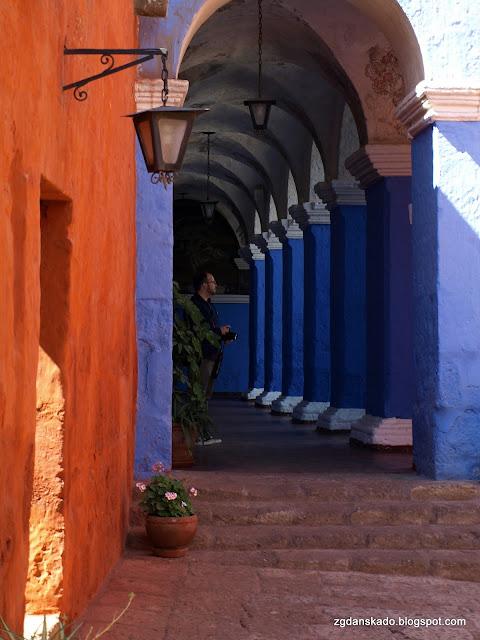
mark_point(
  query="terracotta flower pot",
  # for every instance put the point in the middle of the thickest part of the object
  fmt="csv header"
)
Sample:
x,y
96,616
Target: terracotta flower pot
x,y
170,537
182,456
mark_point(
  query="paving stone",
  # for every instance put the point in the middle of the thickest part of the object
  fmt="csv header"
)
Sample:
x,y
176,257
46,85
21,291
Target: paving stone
x,y
298,530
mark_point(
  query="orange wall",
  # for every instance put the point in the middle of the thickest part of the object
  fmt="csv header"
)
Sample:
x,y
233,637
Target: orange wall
x,y
86,150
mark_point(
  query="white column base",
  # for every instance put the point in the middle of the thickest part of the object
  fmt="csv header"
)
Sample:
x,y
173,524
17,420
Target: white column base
x,y
382,432
266,398
334,419
251,394
308,411
285,404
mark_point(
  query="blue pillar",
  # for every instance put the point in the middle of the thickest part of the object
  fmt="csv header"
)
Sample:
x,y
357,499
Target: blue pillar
x,y
446,243
346,202
314,219
256,371
291,237
154,322
389,299
385,173
271,246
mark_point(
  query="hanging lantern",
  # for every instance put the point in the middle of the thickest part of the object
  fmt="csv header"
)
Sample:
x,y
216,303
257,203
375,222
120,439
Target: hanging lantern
x,y
208,210
208,206
163,134
259,108
259,112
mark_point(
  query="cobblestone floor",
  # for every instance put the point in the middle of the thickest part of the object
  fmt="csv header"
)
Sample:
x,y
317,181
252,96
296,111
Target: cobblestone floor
x,y
203,597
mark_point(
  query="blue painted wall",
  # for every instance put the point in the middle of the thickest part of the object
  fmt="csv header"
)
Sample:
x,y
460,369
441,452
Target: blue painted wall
x,y
389,299
233,377
446,237
293,266
154,322
256,376
316,315
348,319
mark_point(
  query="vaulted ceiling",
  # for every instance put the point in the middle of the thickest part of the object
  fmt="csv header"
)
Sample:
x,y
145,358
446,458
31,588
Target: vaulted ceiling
x,y
317,122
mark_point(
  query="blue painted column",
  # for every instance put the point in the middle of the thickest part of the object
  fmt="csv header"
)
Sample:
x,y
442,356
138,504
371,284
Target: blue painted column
x,y
314,219
256,371
446,243
154,322
291,237
346,202
389,388
269,243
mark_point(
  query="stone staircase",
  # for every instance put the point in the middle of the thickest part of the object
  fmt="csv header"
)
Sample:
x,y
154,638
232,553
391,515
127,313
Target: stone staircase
x,y
374,524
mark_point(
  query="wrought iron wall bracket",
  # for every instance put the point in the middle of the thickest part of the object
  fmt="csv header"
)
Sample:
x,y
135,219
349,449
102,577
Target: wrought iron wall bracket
x,y
108,59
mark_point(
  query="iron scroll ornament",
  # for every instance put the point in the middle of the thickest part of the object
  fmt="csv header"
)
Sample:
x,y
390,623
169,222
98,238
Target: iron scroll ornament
x,y
107,58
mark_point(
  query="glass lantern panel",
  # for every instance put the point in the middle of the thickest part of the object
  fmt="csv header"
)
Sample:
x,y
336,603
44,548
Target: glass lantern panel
x,y
145,137
171,131
259,111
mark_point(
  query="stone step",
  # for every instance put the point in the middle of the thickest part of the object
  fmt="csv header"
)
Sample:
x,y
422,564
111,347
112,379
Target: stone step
x,y
250,490
401,537
452,564
318,489
342,513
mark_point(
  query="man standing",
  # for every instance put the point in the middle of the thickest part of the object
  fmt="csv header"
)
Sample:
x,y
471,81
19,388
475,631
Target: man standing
x,y
205,286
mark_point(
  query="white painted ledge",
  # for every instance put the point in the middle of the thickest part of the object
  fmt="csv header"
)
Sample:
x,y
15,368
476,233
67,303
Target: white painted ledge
x,y
384,432
308,411
334,419
225,298
252,393
286,404
266,398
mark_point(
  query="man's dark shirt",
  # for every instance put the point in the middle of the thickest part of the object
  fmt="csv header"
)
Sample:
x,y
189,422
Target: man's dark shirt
x,y
207,308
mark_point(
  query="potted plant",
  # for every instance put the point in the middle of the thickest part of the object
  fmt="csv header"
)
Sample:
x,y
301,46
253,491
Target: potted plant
x,y
190,417
171,522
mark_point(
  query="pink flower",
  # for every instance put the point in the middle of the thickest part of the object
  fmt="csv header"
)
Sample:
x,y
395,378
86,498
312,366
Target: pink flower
x,y
170,495
193,491
141,486
158,467
184,504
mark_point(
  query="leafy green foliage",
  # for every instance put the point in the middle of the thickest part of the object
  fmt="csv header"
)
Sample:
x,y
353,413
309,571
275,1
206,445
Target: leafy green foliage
x,y
166,497
189,407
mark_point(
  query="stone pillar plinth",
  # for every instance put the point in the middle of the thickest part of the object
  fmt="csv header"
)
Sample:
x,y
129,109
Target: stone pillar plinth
x,y
346,202
256,371
269,243
291,237
445,125
314,220
384,171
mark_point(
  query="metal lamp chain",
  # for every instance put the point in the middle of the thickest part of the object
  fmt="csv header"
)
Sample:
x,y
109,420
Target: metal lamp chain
x,y
208,165
165,80
260,37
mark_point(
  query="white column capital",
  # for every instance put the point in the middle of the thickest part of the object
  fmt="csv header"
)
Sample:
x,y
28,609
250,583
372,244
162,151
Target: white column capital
x,y
241,264
250,253
268,241
336,193
310,213
376,161
425,105
148,93
286,229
